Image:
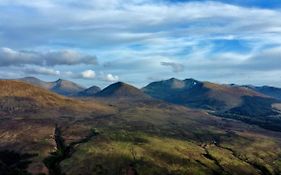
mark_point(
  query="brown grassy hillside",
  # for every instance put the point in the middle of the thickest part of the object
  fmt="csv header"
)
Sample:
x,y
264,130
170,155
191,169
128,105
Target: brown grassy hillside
x,y
28,115
16,96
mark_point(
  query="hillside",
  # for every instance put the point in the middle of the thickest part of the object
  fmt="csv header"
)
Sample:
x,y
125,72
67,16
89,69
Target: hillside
x,y
28,115
19,89
158,138
20,97
68,136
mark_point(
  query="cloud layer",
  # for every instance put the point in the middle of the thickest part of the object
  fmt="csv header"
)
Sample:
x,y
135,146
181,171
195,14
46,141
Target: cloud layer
x,y
223,41
10,57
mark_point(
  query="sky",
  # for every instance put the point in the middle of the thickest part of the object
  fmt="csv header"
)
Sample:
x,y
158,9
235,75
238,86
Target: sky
x,y
99,42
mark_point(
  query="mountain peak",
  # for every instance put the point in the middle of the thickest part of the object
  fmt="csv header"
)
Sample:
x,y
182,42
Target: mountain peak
x,y
120,83
173,83
121,90
173,79
61,81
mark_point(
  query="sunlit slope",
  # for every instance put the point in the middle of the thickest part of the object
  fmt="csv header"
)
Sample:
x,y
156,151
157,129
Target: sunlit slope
x,y
29,114
20,97
157,138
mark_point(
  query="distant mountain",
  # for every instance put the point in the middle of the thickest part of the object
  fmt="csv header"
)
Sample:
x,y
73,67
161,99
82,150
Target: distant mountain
x,y
228,101
267,90
122,90
62,87
89,92
65,87
198,94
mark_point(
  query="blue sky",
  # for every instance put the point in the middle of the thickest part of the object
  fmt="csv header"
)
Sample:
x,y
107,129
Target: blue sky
x,y
98,42
274,4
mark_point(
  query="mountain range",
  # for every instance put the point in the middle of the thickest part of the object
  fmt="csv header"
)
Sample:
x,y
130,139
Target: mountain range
x,y
251,104
68,88
168,127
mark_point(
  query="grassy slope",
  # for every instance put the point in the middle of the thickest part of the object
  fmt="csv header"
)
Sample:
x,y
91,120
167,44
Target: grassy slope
x,y
163,139
116,152
28,115
19,97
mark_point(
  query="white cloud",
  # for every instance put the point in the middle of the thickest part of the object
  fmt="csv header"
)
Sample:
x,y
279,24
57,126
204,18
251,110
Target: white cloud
x,y
88,74
111,78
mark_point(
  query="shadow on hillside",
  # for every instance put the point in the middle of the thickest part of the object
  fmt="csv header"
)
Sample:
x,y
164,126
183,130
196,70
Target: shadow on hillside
x,y
14,163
